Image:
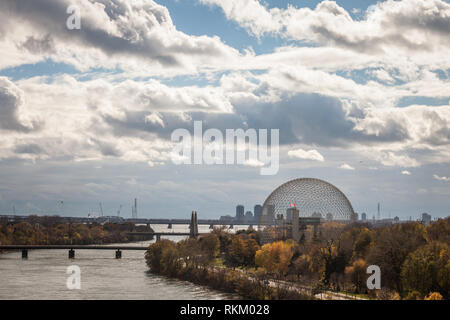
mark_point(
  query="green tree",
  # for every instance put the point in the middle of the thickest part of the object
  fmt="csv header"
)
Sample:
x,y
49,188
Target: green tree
x,y
422,269
391,246
154,254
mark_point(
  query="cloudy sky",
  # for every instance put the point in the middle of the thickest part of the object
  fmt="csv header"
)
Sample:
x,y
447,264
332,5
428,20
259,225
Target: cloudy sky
x,y
360,91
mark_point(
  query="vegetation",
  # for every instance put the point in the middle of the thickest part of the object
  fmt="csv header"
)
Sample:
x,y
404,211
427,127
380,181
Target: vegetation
x,y
414,260
196,261
53,230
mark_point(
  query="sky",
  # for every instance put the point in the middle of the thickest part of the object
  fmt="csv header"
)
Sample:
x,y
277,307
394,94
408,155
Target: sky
x,y
359,91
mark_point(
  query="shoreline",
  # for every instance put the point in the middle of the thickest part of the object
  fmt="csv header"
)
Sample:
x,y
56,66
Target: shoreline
x,y
234,282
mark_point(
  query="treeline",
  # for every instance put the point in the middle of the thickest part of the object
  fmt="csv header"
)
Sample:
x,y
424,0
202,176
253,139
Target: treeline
x,y
195,261
413,258
53,230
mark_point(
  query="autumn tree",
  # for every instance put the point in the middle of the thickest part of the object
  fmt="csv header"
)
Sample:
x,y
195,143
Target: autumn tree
x,y
154,254
210,245
275,257
391,246
424,270
357,275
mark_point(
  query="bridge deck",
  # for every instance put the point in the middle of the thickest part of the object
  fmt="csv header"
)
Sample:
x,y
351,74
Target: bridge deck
x,y
158,233
87,247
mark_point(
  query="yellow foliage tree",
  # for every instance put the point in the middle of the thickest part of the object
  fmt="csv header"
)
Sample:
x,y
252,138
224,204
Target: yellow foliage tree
x,y
275,257
434,296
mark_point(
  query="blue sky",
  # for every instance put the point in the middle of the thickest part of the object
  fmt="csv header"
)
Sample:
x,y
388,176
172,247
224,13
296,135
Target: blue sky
x,y
358,89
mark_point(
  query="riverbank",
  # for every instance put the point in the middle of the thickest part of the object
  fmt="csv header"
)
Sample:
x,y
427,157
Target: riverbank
x,y
234,282
192,260
54,231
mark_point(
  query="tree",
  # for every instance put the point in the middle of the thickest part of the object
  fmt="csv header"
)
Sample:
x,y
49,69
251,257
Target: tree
x,y
170,260
275,257
439,231
434,296
391,246
362,243
210,245
251,247
236,252
425,270
154,254
357,275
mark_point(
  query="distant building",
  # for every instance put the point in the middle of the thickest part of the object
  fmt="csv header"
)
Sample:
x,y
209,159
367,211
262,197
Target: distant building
x,y
227,218
240,212
257,212
363,216
268,214
426,218
356,216
289,213
248,216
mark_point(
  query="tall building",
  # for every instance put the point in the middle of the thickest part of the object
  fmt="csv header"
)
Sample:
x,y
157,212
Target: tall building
x,y
257,212
356,216
239,212
248,216
289,212
426,218
363,216
268,214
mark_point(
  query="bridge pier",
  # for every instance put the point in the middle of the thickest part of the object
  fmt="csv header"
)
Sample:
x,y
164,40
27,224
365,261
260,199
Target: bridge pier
x,y
231,226
158,237
211,226
169,226
71,254
118,254
24,254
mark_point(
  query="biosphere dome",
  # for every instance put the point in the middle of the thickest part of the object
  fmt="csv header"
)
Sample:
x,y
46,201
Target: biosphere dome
x,y
312,197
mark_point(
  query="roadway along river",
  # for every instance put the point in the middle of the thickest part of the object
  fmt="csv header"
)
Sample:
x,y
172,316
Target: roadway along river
x,y
43,276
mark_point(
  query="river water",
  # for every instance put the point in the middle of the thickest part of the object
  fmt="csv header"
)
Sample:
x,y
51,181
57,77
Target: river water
x,y
43,276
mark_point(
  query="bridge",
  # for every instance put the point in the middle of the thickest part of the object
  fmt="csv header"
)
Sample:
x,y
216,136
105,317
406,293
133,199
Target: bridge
x,y
160,234
71,248
169,222
193,232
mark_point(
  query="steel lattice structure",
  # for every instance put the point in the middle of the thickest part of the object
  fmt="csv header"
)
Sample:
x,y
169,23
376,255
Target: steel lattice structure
x,y
312,197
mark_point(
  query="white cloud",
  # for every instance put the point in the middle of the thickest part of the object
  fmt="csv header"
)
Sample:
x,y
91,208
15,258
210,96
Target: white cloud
x,y
392,159
306,155
441,178
406,26
137,36
155,118
346,166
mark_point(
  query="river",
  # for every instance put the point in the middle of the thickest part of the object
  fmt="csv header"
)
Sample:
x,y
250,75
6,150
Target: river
x,y
43,276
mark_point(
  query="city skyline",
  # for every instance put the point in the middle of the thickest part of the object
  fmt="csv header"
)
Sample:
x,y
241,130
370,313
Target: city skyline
x,y
357,89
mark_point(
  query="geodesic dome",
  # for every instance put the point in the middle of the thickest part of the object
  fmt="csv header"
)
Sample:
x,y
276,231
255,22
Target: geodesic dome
x,y
312,197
